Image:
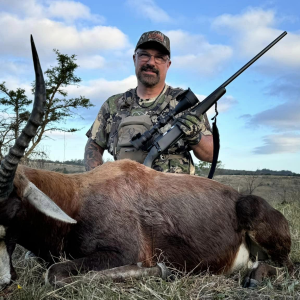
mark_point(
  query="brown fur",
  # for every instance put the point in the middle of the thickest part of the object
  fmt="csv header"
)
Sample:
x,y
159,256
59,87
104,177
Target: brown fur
x,y
127,213
62,189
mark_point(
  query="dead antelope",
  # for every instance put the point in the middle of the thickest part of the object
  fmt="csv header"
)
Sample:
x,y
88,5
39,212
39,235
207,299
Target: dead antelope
x,y
122,213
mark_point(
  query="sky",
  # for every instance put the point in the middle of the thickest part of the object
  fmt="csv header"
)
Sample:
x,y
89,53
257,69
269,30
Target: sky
x,y
259,116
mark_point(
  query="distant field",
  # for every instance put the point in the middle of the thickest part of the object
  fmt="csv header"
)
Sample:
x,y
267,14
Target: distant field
x,y
57,167
275,189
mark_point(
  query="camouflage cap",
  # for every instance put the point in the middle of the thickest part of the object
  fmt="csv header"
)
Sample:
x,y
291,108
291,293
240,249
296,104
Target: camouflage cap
x,y
154,36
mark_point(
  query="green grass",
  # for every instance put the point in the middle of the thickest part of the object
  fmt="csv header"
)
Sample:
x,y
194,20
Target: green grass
x,y
30,284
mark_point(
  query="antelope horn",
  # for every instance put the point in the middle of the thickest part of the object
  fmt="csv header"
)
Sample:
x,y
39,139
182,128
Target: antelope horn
x,y
10,163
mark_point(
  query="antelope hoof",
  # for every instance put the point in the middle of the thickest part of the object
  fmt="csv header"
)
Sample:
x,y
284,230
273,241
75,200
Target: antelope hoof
x,y
59,275
250,283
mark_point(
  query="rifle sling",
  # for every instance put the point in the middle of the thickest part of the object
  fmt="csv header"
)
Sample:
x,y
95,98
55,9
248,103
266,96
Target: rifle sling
x,y
216,140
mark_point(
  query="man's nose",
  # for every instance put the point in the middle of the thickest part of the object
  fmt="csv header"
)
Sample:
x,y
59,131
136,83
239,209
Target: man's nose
x,y
151,60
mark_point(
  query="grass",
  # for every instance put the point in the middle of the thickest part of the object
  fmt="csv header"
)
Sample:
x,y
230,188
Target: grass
x,y
291,211
30,284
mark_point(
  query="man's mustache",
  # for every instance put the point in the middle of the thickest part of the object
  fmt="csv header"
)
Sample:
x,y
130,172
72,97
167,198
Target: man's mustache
x,y
149,68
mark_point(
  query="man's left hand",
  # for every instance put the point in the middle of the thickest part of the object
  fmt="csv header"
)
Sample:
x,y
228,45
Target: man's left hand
x,y
191,125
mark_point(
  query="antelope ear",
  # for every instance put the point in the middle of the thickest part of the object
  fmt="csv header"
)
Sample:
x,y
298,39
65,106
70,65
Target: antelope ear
x,y
44,204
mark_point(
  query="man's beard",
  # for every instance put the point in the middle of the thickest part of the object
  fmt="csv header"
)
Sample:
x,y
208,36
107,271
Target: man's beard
x,y
147,79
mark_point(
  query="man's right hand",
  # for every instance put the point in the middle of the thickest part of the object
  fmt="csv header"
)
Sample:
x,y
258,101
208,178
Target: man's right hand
x,y
92,155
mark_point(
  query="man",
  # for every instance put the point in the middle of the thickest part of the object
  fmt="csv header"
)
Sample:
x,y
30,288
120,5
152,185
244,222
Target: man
x,y
124,115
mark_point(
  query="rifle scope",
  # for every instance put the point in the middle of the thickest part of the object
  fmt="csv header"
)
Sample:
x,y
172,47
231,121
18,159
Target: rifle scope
x,y
186,100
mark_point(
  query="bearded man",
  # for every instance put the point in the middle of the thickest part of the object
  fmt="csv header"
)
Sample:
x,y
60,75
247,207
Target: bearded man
x,y
123,115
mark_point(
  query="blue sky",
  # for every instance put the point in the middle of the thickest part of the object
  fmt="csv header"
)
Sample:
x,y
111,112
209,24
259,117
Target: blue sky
x,y
210,40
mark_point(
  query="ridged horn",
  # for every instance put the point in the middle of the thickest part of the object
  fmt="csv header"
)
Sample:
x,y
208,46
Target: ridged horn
x,y
10,162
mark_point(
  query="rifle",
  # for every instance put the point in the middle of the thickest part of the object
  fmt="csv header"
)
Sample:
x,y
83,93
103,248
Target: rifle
x,y
187,100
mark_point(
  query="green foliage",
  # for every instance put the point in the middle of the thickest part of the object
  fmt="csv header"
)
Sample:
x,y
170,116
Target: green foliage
x,y
203,167
76,162
10,124
58,106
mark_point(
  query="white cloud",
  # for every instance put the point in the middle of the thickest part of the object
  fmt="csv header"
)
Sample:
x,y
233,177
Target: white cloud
x,y
5,115
150,10
100,89
285,87
283,117
284,143
194,52
91,62
226,103
13,83
15,68
254,29
71,11
49,34
23,8
207,63
223,105
50,23
252,18
61,134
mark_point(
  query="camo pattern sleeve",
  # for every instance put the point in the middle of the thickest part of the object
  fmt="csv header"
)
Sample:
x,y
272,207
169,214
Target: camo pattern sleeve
x,y
98,131
207,130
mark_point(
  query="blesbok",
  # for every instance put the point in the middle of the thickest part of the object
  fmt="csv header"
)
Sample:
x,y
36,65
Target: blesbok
x,y
122,213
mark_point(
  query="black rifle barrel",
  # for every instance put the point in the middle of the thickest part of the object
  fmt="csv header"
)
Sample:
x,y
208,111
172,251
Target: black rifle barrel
x,y
247,65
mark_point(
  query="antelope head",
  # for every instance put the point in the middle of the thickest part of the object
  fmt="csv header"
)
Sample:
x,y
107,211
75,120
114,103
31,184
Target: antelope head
x,y
15,187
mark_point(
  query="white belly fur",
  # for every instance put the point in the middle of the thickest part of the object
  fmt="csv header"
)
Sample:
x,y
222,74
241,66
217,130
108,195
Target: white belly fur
x,y
241,260
5,276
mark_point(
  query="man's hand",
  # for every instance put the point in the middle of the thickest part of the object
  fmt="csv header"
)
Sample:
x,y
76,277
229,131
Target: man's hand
x,y
191,125
92,155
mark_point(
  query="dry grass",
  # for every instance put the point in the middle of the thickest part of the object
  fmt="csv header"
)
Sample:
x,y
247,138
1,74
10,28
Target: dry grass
x,y
275,189
30,284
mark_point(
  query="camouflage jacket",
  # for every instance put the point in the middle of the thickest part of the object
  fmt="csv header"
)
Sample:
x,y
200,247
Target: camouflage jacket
x,y
178,158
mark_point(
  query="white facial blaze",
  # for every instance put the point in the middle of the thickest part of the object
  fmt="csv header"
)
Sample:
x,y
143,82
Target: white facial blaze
x,y
5,275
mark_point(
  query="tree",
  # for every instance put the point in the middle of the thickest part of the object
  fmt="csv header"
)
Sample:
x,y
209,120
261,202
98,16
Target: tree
x,y
252,183
203,167
58,108
10,124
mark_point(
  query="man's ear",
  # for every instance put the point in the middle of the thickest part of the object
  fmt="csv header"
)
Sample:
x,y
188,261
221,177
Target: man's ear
x,y
169,63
